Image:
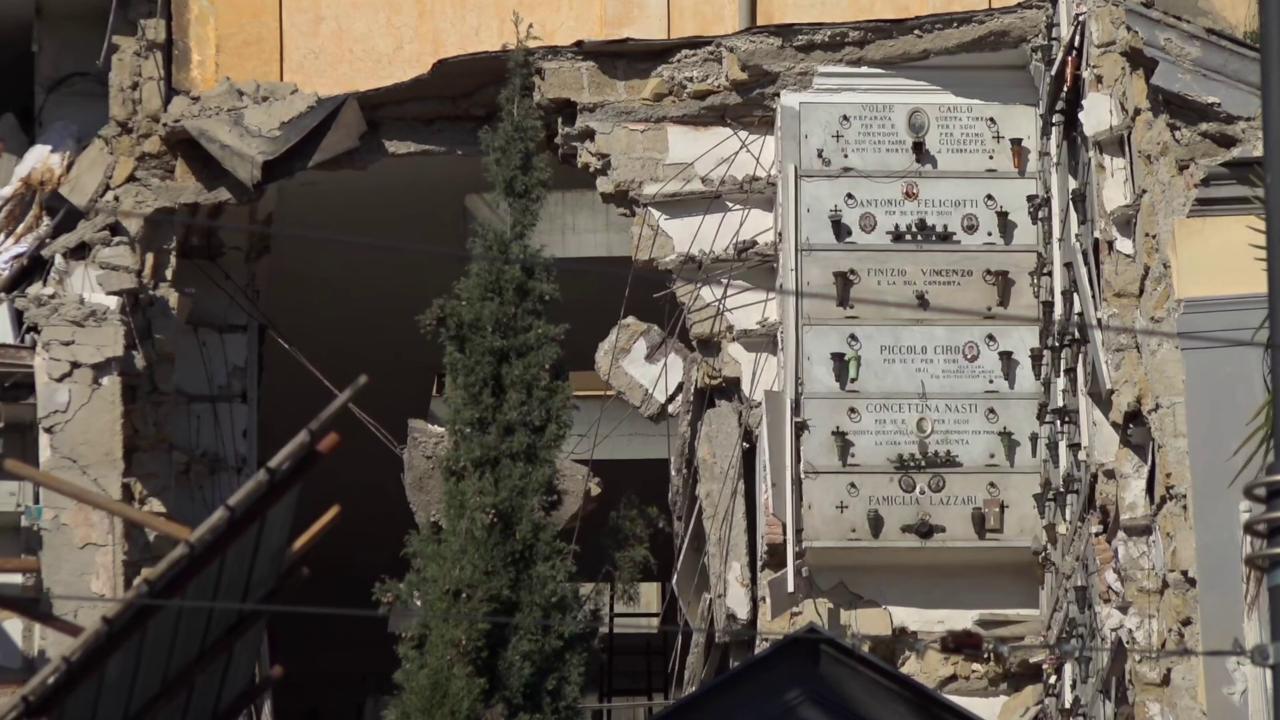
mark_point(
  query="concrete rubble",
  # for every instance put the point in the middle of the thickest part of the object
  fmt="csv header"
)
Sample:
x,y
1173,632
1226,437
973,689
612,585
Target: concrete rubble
x,y
642,364
145,367
424,452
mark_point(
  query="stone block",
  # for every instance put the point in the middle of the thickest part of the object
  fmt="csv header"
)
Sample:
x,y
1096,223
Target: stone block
x,y
116,257
701,90
88,176
82,345
122,171
151,98
733,71
642,364
115,282
1024,704
655,89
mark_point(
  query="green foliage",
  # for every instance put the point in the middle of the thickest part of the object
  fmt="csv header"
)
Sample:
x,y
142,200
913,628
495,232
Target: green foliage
x,y
1260,439
631,530
500,631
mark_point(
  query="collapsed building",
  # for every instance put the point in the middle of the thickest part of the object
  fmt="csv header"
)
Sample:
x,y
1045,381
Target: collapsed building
x,y
737,222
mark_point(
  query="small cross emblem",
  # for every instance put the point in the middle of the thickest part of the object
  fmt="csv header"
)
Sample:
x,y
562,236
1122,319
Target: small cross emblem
x,y
841,507
838,137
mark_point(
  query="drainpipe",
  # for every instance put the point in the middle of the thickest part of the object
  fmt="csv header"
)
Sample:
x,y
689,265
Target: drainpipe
x,y
1266,489
746,14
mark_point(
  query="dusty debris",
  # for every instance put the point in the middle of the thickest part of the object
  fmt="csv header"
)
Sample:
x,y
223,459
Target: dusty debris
x,y
424,483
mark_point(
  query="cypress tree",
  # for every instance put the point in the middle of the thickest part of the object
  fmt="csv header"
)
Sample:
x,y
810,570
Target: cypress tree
x,y
500,631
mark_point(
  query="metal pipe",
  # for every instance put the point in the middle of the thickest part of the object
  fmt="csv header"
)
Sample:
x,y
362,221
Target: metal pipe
x,y
96,500
26,564
1269,24
746,14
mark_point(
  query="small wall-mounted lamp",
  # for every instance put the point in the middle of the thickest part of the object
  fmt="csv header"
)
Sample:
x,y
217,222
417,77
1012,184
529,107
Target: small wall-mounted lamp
x,y
1080,589
1006,442
1006,366
844,288
1079,202
840,369
1016,152
1034,439
1000,280
1037,361
1035,206
843,444
1002,222
836,216
1041,499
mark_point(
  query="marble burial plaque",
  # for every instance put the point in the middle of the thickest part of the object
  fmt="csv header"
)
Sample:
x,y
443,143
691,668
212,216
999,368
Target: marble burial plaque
x,y
937,507
921,286
911,434
852,211
881,137
925,360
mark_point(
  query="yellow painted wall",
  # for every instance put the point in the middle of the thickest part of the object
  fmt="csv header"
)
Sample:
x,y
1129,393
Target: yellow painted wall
x,y
772,12
335,46
214,39
1239,15
1213,257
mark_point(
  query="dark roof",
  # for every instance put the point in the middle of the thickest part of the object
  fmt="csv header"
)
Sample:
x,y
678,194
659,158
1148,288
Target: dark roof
x,y
812,675
184,641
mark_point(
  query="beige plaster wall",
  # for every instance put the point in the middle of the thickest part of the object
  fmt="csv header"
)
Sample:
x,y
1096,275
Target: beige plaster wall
x,y
335,46
1214,257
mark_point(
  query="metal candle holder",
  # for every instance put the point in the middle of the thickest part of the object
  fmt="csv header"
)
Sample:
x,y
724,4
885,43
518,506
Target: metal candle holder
x,y
844,288
1006,366
1079,202
843,444
1002,222
1015,152
1006,442
1000,280
840,369
1037,361
836,217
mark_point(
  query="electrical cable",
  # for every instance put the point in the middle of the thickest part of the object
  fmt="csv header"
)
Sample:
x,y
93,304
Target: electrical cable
x,y
1066,649
1207,338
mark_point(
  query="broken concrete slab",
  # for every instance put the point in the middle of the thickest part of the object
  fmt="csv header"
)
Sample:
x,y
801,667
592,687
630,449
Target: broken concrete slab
x,y
724,517
257,139
83,345
642,364
423,478
88,176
